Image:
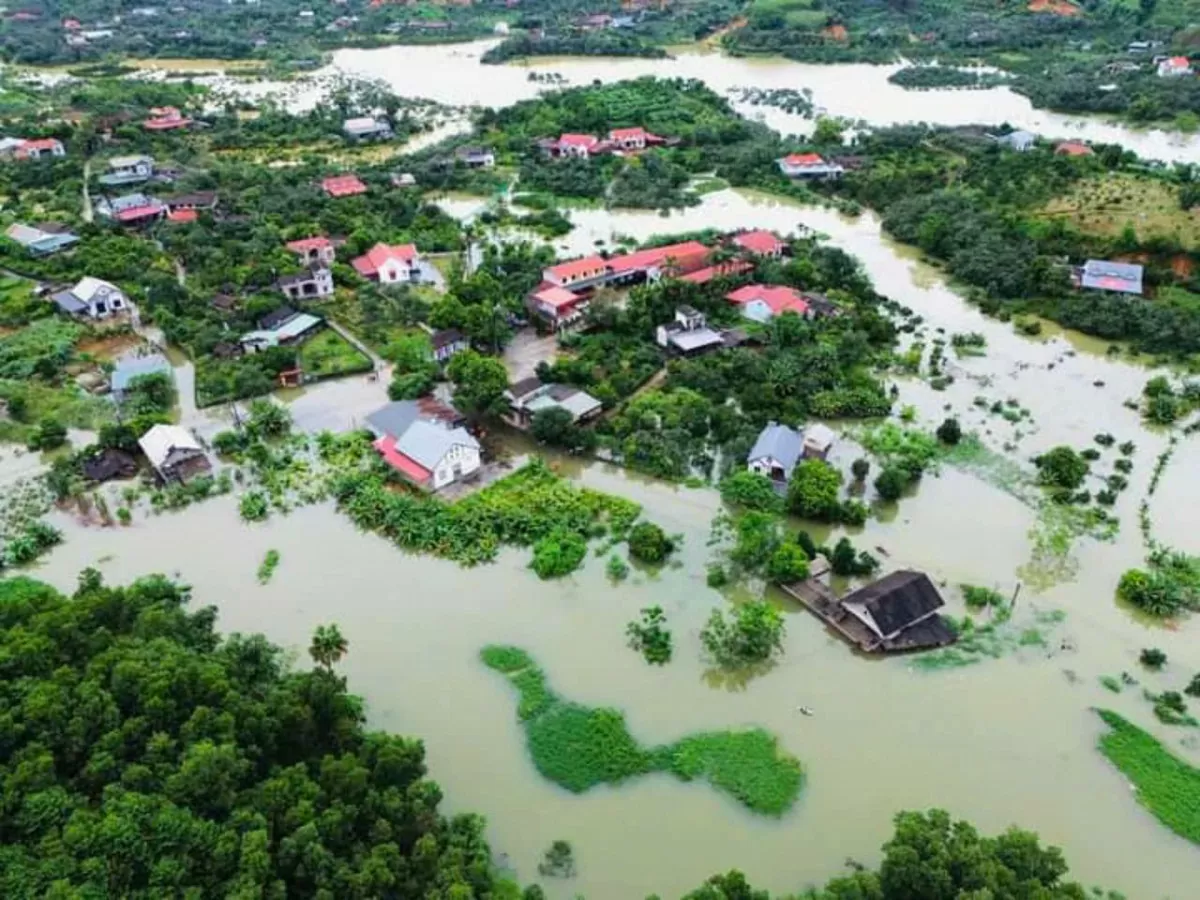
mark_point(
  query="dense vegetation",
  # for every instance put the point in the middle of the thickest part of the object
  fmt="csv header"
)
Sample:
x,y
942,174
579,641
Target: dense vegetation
x,y
144,755
580,747
996,220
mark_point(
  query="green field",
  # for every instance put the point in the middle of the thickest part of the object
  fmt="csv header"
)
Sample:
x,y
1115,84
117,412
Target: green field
x,y
328,355
1105,205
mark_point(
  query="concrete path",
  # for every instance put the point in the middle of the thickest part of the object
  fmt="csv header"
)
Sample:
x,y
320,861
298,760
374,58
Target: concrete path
x,y
377,361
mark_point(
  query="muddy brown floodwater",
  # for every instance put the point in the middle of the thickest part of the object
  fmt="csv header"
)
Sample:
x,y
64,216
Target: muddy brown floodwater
x,y
1010,740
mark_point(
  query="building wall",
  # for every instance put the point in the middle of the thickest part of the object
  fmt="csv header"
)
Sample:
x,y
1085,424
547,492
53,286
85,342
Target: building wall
x,y
764,466
394,272
467,458
757,311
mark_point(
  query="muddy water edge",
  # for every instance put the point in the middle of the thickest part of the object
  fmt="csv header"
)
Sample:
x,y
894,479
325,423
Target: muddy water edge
x,y
1010,740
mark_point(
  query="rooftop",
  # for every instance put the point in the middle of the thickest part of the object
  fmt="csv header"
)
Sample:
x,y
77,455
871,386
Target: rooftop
x,y
778,298
343,186
895,602
759,241
780,443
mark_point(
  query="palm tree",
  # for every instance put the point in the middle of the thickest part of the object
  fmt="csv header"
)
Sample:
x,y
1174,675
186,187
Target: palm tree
x,y
328,646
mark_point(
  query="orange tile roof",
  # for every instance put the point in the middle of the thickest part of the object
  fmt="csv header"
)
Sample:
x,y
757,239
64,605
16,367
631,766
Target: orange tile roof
x,y
779,299
309,243
577,267
804,159
759,241
556,297
343,186
374,259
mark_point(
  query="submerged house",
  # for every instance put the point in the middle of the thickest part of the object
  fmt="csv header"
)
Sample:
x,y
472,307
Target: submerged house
x,y
776,452
900,611
425,443
174,453
530,396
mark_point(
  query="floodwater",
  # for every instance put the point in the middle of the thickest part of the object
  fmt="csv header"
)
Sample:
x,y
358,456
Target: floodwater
x,y
452,74
1010,740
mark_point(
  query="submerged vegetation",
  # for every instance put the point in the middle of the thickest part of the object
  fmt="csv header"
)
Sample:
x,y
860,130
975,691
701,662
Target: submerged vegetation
x,y
1165,784
580,747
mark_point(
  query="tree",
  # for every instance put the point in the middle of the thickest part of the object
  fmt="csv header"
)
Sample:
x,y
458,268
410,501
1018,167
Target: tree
x,y
649,543
50,434
891,482
828,130
152,393
1152,658
788,563
552,426
751,634
479,384
813,490
650,636
410,385
751,490
1061,467
860,468
328,646
268,419
949,432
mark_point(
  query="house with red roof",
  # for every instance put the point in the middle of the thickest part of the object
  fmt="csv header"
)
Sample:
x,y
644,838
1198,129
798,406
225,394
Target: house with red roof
x,y
166,118
1073,148
131,209
811,166
39,148
762,302
577,273
425,443
313,251
1174,67
390,264
760,243
343,186
555,305
580,146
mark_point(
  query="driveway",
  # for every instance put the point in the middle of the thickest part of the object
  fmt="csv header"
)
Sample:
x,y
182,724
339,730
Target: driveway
x,y
527,349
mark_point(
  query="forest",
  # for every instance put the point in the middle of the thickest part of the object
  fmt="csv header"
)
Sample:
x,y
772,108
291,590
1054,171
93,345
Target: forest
x,y
989,215
144,754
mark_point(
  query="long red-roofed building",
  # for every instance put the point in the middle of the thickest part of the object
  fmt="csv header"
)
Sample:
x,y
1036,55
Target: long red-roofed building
x,y
760,243
39,148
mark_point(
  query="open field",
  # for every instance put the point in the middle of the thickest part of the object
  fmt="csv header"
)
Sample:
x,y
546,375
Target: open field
x,y
328,354
1104,206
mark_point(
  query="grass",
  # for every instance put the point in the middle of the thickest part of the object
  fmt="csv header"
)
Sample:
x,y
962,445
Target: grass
x,y
992,640
328,355
1165,784
579,747
17,303
1106,204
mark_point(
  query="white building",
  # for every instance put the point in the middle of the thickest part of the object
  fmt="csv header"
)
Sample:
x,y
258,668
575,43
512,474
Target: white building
x,y
424,443
91,298
809,166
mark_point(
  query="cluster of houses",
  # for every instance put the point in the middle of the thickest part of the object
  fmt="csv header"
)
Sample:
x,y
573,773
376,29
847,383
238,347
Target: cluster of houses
x,y
619,141
386,264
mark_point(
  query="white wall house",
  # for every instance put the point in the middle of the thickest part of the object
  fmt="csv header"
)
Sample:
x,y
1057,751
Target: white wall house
x,y
91,298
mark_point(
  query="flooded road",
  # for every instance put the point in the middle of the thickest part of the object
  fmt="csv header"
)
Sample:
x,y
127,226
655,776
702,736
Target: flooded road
x,y
452,74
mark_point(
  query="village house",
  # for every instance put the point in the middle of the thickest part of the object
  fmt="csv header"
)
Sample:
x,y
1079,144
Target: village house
x,y
343,186
166,118
194,201
556,306
281,328
129,368
1073,148
688,334
579,146
366,128
762,302
391,264
809,166
41,240
91,298
423,446
476,157
720,270
633,139
174,453
446,342
900,611
124,170
314,251
530,396
131,209
1174,67
1102,275
577,273
315,283
39,148
776,452
765,244
1020,141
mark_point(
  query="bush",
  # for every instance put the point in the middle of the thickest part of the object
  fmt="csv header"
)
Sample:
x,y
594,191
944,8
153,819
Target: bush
x,y
48,435
558,554
617,568
813,491
1153,658
860,468
751,634
650,637
751,490
649,543
1061,467
559,861
1193,688
981,597
717,577
949,432
845,560
253,507
891,482
787,564
1151,592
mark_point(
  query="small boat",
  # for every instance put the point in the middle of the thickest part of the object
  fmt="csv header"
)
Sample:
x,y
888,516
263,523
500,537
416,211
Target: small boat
x,y
804,710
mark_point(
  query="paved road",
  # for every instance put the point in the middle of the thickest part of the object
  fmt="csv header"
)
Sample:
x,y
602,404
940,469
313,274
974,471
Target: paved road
x,y
376,360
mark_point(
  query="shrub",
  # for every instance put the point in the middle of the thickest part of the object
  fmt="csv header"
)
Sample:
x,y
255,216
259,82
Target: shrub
x,y
650,637
717,577
618,569
949,432
845,560
1061,467
1193,688
48,435
813,490
891,482
860,468
1150,592
1153,658
751,490
1105,439
787,564
558,553
980,597
253,506
559,861
649,543
751,634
